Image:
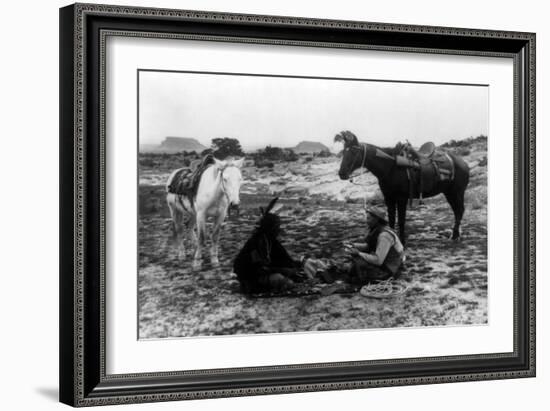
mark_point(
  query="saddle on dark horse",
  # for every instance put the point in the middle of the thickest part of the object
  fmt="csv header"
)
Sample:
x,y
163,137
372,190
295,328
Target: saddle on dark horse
x,y
425,167
186,180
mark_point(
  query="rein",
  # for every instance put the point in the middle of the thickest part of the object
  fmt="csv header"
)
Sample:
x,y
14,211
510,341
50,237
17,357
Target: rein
x,y
363,168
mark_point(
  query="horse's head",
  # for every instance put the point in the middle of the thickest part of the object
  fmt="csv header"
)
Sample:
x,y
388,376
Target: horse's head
x,y
231,179
353,154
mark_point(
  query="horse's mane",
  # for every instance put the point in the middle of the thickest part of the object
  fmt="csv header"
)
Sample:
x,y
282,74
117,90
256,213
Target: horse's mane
x,y
388,150
391,150
208,160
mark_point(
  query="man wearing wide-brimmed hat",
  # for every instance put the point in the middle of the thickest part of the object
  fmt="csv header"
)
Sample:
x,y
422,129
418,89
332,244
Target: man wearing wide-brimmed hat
x,y
381,255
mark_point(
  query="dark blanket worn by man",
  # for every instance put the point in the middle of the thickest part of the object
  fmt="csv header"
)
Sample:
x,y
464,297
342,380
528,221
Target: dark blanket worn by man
x,y
382,254
263,265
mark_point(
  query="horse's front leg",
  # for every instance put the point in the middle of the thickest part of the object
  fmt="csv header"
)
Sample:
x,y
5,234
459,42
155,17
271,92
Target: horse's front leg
x,y
200,239
402,216
216,231
390,205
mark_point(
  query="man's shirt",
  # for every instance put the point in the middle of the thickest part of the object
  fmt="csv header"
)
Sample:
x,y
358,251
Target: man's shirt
x,y
389,251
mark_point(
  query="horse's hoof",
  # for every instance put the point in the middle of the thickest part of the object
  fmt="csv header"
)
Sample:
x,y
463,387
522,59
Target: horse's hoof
x,y
197,265
182,255
215,263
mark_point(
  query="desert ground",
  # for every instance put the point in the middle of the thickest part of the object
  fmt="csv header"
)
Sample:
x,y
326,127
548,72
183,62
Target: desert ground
x,y
446,281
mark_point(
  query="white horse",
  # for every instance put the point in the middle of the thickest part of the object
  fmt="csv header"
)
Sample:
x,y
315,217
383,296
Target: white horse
x,y
218,189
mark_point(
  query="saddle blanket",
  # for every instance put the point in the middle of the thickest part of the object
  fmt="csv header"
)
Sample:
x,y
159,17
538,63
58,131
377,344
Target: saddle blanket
x,y
186,180
443,165
439,165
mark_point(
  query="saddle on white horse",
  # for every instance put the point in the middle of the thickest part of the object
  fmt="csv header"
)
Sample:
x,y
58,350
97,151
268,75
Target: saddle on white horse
x,y
186,180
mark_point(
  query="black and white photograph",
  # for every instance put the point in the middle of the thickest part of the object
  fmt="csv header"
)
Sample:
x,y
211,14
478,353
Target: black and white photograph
x,y
283,204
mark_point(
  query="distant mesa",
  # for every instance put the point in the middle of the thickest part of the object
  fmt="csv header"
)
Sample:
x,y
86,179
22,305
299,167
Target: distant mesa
x,y
174,145
310,147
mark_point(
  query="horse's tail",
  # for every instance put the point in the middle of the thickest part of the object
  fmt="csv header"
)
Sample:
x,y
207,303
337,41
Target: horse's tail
x,y
462,170
171,179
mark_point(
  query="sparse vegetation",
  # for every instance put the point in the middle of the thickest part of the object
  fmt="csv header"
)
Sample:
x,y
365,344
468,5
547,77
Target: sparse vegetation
x,y
271,154
466,146
166,162
226,147
264,163
467,142
324,154
462,151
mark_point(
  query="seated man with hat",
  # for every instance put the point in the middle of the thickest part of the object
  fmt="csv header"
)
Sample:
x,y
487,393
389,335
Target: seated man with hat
x,y
380,256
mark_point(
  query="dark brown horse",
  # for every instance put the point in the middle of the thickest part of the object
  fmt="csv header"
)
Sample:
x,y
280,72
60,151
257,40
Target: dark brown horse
x,y
394,180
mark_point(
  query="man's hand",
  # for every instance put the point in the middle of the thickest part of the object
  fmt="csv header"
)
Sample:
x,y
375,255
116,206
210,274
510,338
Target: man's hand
x,y
351,250
358,246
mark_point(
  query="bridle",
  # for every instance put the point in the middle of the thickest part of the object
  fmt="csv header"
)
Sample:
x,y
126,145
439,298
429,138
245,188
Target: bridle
x,y
363,163
363,171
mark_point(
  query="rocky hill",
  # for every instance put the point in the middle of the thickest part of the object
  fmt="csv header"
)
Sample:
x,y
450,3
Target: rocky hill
x,y
310,147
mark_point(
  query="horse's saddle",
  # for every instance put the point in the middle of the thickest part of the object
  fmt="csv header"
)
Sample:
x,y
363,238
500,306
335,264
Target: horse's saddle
x,y
426,150
186,180
425,168
427,160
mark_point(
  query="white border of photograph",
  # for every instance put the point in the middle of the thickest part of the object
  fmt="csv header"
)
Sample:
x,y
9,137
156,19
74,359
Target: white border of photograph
x,y
126,354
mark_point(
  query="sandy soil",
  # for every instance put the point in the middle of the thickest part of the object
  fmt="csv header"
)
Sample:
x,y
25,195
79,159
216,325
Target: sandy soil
x,y
447,281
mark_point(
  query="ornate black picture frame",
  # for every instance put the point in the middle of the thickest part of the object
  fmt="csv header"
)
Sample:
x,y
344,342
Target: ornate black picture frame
x,y
83,30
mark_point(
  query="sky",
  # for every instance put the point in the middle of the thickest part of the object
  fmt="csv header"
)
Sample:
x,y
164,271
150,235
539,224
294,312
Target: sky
x,y
282,111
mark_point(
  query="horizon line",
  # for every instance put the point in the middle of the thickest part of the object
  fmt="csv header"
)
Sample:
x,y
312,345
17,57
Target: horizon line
x,y
290,147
